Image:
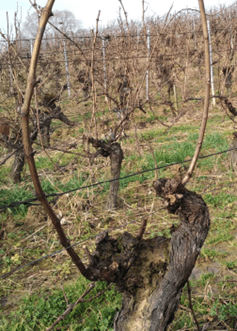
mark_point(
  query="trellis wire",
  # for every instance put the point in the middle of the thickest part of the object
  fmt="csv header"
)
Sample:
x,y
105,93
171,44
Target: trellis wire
x,y
29,201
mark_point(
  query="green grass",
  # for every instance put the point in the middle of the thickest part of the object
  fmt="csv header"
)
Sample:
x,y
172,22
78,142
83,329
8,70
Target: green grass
x,y
4,174
219,237
44,163
17,193
211,253
170,153
39,310
213,308
219,200
230,264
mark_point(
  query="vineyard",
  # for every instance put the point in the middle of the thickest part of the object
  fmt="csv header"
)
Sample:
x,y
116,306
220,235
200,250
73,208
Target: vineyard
x,y
115,114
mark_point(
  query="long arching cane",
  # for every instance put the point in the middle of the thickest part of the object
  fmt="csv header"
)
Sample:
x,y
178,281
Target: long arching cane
x,y
89,273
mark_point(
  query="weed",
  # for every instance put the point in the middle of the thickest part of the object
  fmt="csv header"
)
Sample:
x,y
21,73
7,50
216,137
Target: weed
x,y
224,311
209,276
230,265
38,311
17,193
219,237
220,200
210,254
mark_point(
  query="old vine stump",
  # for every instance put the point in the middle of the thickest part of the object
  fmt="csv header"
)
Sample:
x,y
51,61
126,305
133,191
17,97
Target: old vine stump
x,y
115,152
151,273
233,153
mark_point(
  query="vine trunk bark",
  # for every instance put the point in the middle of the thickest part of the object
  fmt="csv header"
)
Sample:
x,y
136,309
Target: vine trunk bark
x,y
18,165
151,273
116,158
115,152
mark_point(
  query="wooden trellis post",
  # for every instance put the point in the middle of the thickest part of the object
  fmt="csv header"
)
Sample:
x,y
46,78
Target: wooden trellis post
x,y
147,71
104,68
212,78
66,66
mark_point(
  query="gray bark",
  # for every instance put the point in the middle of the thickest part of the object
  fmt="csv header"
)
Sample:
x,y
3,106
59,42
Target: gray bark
x,y
17,166
156,310
115,152
116,158
233,153
152,273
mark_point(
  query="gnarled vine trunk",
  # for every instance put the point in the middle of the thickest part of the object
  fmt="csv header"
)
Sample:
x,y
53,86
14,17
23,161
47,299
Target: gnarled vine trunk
x,y
233,153
152,273
18,165
115,152
116,158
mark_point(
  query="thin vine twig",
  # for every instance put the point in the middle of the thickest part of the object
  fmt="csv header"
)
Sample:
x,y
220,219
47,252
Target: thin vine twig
x,y
71,307
92,76
191,306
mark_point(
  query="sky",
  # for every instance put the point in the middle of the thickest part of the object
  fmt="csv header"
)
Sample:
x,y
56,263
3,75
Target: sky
x,y
87,10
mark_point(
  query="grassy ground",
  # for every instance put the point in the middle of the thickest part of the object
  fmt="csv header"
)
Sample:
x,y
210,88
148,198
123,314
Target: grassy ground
x,y
33,297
